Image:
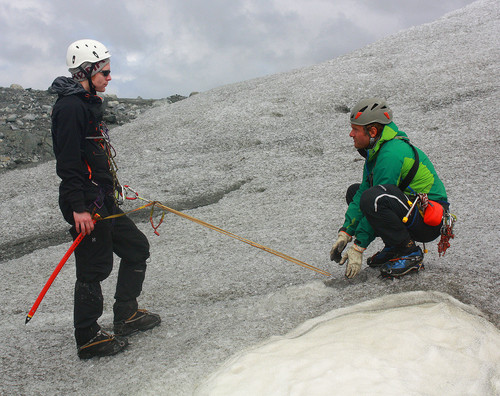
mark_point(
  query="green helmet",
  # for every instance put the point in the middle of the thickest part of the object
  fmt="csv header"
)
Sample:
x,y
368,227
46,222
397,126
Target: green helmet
x,y
371,110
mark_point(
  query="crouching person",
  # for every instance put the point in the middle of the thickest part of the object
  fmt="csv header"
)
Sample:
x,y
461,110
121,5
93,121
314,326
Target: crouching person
x,y
396,175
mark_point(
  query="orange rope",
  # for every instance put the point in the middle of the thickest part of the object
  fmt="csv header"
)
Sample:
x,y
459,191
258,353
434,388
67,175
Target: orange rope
x,y
229,234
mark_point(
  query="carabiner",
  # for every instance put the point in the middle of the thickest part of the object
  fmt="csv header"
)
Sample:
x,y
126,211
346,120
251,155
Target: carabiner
x,y
127,189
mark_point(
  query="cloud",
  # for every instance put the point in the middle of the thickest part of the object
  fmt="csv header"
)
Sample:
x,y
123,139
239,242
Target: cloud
x,y
161,48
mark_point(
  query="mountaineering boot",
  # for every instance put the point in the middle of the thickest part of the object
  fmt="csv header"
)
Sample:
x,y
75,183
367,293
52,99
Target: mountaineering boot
x,y
382,257
141,320
103,344
410,258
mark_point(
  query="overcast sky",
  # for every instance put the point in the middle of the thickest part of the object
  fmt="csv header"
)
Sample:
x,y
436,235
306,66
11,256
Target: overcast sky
x,y
160,48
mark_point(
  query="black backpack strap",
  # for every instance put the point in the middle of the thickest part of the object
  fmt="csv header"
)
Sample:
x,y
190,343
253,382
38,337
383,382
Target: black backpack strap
x,y
413,171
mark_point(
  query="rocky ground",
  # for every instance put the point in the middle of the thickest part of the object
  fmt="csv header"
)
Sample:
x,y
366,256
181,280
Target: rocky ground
x,y
25,138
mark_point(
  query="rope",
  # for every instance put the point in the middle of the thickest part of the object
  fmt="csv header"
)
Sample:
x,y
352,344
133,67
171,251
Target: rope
x,y
158,204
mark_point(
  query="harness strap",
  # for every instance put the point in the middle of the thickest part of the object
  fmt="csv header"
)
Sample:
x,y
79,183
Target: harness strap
x,y
403,185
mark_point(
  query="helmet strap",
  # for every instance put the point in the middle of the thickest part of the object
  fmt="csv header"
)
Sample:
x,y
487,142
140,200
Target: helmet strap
x,y
89,79
373,141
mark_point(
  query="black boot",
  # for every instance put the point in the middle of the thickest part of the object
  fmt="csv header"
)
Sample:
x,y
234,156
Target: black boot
x,y
103,344
382,256
141,320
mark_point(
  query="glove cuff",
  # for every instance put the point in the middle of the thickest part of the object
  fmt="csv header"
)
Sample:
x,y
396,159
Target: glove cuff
x,y
358,248
344,233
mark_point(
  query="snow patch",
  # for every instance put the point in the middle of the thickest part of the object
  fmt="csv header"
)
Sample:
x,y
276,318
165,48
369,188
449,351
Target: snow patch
x,y
411,343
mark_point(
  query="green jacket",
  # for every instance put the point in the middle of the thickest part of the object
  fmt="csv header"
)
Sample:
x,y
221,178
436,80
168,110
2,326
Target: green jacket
x,y
388,162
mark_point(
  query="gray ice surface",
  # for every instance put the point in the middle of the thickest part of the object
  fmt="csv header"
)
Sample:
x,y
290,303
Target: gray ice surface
x,y
268,159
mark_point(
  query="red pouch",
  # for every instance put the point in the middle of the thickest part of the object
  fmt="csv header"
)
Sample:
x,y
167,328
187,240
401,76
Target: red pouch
x,y
433,215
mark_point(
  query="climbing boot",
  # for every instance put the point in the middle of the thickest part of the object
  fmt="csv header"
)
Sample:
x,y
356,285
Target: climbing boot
x,y
403,264
382,257
141,320
103,344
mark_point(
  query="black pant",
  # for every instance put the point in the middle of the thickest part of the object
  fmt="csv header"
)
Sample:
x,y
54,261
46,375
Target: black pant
x,y
384,206
94,262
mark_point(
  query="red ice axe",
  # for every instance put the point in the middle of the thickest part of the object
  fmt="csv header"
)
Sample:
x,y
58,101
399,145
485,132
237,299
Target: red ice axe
x,y
65,258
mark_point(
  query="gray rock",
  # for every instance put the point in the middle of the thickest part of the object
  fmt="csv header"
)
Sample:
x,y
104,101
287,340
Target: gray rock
x,y
25,122
113,103
30,117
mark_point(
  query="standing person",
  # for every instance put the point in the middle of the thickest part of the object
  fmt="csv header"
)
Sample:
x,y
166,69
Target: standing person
x,y
395,172
85,164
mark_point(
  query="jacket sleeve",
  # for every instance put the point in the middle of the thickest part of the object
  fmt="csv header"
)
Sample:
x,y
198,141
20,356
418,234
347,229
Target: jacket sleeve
x,y
69,127
353,215
356,223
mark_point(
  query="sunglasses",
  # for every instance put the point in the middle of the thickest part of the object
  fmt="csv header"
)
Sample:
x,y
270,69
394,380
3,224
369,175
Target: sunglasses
x,y
105,73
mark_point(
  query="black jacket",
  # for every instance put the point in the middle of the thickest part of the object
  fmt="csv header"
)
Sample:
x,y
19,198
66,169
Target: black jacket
x,y
80,149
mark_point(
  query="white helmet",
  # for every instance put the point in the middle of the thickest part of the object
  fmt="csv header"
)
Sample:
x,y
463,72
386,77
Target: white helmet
x,y
85,50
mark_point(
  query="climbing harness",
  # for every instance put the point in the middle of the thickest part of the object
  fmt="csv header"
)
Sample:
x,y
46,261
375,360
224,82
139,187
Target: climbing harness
x,y
433,214
412,206
421,201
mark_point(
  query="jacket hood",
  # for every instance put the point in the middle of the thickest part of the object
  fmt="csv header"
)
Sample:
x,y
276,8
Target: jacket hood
x,y
65,86
390,132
